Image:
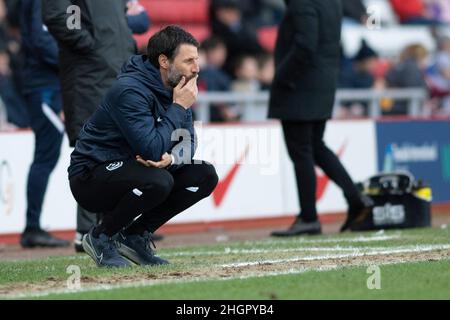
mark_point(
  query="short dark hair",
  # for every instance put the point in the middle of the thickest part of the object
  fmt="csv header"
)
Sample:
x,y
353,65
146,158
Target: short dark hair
x,y
211,43
167,42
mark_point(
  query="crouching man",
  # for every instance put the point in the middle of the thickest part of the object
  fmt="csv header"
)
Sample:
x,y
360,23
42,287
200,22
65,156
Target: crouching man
x,y
133,159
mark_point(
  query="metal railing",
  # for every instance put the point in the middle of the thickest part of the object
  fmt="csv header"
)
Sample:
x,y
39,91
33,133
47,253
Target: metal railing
x,y
253,105
414,97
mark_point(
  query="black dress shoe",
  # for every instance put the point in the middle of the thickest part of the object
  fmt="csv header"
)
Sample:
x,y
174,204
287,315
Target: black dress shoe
x,y
40,238
358,211
298,228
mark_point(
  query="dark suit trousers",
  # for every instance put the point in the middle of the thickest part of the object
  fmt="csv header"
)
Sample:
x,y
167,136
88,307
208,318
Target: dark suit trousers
x,y
306,149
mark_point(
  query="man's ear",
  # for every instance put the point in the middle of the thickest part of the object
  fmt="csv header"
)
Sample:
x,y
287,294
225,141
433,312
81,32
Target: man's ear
x,y
163,61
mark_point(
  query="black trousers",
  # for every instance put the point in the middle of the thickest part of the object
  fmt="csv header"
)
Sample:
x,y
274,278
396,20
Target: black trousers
x,y
306,149
48,139
122,191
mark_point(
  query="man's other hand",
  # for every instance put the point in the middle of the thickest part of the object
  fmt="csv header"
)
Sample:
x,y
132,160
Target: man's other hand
x,y
166,160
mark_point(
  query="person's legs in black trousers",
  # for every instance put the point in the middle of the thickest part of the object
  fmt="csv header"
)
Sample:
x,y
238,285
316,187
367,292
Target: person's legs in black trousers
x,y
331,165
44,107
192,183
358,203
125,190
306,148
122,191
299,141
299,137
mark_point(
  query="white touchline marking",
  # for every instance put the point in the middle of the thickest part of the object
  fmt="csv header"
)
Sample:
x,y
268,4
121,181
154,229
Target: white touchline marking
x,y
331,240
410,249
229,251
273,242
151,283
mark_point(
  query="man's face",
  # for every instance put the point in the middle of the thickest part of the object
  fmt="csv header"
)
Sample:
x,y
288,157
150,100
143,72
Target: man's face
x,y
185,63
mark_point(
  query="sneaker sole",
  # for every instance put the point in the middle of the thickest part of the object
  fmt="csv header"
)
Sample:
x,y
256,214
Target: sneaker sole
x,y
130,254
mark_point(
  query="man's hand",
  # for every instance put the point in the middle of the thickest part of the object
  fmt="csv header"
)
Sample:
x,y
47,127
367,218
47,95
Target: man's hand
x,y
166,160
185,93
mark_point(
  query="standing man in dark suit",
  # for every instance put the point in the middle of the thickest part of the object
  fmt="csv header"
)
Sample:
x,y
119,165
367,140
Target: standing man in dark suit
x,y
302,97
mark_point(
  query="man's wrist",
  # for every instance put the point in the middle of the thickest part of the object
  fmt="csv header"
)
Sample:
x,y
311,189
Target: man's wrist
x,y
179,105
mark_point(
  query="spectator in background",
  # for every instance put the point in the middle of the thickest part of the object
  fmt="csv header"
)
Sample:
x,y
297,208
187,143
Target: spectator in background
x,y
413,12
245,78
213,78
16,115
260,13
43,97
90,59
10,78
137,18
439,77
361,71
266,70
355,12
246,74
408,73
227,23
439,10
359,74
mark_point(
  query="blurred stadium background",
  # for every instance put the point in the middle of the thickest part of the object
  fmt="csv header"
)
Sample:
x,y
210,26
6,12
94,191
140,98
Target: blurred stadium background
x,y
392,112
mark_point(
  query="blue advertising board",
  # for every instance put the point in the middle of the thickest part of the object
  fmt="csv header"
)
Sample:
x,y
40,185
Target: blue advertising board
x,y
420,147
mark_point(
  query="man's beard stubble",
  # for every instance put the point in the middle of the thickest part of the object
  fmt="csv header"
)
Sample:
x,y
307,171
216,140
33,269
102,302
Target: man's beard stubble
x,y
174,76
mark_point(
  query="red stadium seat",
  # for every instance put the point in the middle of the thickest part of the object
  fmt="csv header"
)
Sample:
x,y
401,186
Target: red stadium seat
x,y
178,11
200,32
267,37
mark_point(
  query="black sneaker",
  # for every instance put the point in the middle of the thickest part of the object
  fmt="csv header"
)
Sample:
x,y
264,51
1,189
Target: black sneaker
x,y
40,238
299,228
103,250
358,211
137,248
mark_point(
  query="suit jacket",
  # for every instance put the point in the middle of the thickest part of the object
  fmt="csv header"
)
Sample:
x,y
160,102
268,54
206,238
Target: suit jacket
x,y
307,61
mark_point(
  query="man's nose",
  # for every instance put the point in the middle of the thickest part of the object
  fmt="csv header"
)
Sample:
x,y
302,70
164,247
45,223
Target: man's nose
x,y
196,68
